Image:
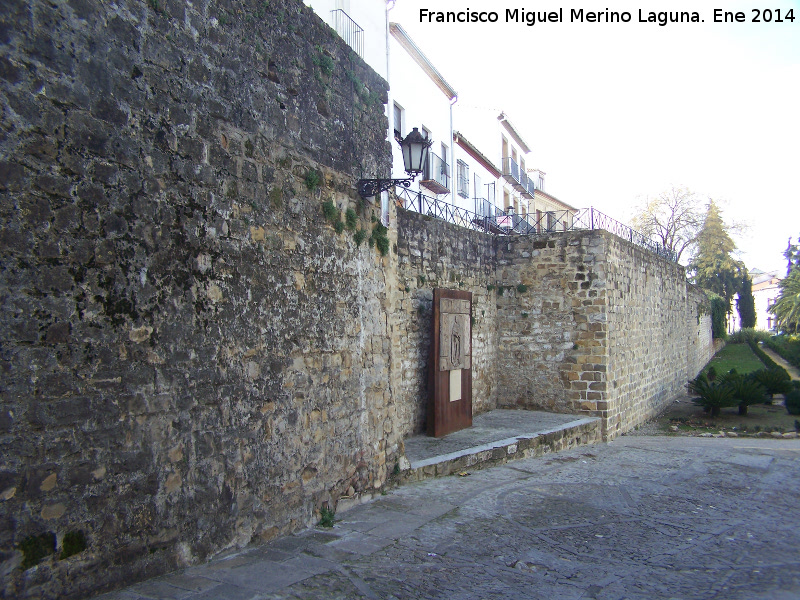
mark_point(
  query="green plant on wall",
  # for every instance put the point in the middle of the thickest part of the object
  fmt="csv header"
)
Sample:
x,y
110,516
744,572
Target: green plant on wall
x,y
326,517
74,542
36,547
522,288
350,219
324,62
380,238
276,197
313,179
331,212
359,236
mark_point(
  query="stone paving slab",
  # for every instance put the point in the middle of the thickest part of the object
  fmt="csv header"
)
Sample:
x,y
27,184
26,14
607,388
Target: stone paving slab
x,y
641,517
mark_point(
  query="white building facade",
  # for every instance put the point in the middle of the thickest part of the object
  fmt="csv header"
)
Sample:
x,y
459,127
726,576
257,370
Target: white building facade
x,y
419,96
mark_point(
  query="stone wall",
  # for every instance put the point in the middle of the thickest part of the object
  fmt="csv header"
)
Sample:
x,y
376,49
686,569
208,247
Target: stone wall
x,y
590,323
658,337
191,356
432,253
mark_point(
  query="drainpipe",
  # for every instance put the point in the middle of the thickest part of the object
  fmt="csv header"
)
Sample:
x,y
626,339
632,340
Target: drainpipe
x,y
453,100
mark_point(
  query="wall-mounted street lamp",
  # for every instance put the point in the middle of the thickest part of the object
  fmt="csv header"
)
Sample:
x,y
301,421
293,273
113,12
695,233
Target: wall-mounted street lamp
x,y
415,155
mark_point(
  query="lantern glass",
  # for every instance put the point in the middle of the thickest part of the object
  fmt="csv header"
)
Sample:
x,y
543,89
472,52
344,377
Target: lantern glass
x,y
415,152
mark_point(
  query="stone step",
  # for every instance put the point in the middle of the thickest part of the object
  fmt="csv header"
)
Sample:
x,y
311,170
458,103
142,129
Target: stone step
x,y
495,438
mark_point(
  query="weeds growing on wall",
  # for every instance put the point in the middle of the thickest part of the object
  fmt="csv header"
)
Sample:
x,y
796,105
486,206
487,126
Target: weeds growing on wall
x,y
34,548
326,517
74,543
350,219
359,236
380,238
324,62
313,179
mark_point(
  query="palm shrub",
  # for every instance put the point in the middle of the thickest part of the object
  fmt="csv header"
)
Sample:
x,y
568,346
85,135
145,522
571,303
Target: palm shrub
x,y
712,396
746,390
792,400
787,306
775,381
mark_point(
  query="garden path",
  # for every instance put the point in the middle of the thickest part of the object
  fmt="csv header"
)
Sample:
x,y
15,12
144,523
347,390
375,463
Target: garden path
x,y
793,372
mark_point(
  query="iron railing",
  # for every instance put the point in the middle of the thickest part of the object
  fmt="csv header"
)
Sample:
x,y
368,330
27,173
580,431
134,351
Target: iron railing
x,y
348,30
591,218
436,169
511,169
527,184
486,208
531,187
489,219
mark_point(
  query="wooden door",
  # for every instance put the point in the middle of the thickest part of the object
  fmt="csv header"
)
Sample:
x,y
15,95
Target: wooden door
x,y
450,364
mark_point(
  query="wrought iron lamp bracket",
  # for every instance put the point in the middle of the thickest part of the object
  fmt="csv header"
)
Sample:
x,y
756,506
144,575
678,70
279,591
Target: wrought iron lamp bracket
x,y
368,188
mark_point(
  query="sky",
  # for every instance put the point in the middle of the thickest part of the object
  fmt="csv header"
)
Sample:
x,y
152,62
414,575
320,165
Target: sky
x,y
616,112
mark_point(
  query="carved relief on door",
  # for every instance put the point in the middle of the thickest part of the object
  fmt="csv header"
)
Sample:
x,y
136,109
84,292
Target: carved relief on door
x,y
450,397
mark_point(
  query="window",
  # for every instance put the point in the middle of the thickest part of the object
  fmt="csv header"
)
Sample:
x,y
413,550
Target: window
x,y
541,182
398,121
462,174
551,220
507,202
477,186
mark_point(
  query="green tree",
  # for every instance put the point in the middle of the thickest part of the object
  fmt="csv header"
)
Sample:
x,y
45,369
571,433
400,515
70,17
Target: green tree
x,y
714,267
787,306
792,255
746,304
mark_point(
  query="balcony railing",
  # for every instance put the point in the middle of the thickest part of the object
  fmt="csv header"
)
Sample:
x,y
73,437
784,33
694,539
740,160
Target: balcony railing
x,y
348,30
525,183
531,187
436,175
485,208
511,169
489,219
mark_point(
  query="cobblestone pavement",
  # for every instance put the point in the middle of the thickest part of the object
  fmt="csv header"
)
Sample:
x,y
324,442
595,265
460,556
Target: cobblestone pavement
x,y
641,517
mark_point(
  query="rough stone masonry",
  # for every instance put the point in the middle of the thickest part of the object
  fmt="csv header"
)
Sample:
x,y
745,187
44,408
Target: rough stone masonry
x,y
201,344
192,357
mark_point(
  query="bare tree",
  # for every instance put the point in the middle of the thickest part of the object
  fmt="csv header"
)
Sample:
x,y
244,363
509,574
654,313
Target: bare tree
x,y
674,218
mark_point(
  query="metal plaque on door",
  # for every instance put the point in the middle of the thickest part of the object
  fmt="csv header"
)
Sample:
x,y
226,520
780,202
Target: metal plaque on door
x,y
450,380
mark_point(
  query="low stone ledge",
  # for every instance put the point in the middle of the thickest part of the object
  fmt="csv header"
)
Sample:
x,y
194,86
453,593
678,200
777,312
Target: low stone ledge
x,y
580,432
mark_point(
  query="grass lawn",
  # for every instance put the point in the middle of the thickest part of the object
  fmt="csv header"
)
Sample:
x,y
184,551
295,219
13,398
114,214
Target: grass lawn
x,y
735,356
